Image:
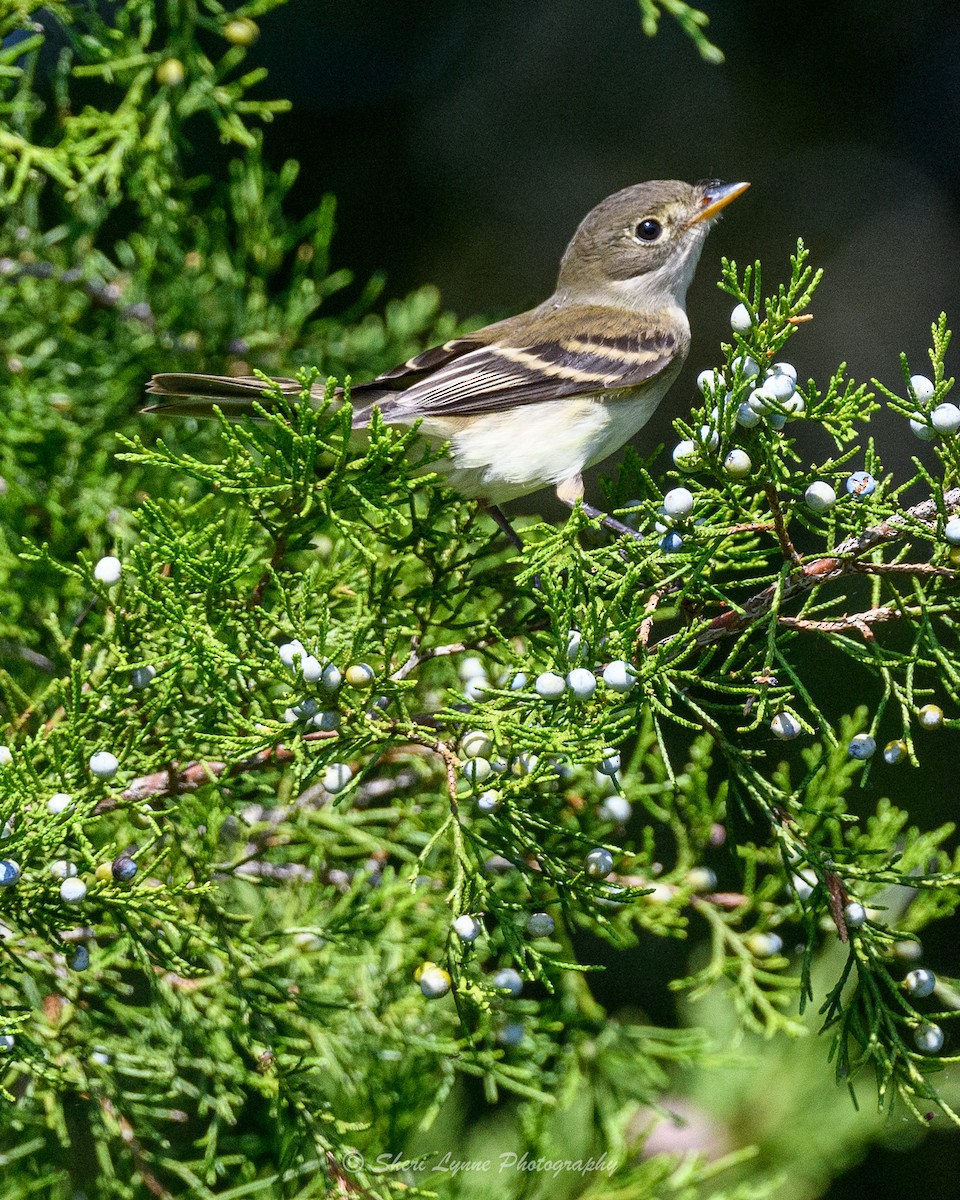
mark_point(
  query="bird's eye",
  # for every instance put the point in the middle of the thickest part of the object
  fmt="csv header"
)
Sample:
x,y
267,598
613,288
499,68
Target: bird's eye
x,y
648,230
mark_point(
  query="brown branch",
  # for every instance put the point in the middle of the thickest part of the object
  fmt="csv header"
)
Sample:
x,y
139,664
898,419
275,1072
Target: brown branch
x,y
175,780
780,525
857,621
646,625
844,561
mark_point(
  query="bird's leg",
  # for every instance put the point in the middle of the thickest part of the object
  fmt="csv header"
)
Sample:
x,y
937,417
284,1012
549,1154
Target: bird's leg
x,y
570,491
501,519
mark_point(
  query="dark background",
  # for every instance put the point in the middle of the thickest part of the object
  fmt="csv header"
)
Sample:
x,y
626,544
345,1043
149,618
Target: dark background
x,y
465,142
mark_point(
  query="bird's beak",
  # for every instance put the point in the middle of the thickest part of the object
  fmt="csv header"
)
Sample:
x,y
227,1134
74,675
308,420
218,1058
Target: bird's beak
x,y
716,196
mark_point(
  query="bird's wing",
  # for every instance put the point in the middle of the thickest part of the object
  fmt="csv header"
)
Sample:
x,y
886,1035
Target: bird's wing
x,y
529,361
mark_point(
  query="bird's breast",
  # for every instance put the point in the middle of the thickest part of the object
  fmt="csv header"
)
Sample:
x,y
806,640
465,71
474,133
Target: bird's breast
x,y
499,456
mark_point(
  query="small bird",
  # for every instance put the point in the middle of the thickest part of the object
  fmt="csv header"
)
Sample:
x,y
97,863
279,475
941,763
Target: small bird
x,y
532,401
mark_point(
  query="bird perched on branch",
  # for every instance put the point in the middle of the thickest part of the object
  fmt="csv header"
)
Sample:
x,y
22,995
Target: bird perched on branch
x,y
532,401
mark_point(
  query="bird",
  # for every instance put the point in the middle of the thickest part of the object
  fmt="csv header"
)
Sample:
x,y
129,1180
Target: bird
x,y
531,401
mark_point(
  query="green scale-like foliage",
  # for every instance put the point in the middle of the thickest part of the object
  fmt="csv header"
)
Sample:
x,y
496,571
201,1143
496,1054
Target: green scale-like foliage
x,y
250,1021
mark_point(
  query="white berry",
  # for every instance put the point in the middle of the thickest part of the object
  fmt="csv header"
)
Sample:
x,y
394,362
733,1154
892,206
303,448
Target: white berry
x,y
615,808
470,668
103,764
434,981
6,756
610,763
290,651
678,502
582,683
686,456
476,744
785,726
337,776
72,891
820,496
855,915
709,381
59,802
467,928
619,676
784,368
922,429
747,366
740,319
951,531
550,686
922,388
62,869
476,770
576,646
737,464
108,570
945,418
488,802
311,668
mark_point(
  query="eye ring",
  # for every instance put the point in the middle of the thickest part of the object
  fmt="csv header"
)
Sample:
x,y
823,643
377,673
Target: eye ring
x,y
648,230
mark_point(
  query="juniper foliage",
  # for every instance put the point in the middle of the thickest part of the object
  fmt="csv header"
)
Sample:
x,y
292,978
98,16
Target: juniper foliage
x,y
317,673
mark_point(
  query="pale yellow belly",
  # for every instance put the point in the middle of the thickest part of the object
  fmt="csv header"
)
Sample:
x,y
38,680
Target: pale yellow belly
x,y
500,456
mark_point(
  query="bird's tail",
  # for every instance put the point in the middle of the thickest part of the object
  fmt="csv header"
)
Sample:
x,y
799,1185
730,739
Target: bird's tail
x,y
188,395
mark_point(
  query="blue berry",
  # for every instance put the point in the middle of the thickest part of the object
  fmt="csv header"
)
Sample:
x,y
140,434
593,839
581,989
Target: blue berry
x,y
861,484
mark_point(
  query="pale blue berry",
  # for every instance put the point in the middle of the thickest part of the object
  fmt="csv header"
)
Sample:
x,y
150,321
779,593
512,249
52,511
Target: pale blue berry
x,y
945,419
920,983
686,455
785,726
142,677
508,980
862,745
598,863
737,464
59,802
331,678
476,770
311,668
921,428
289,652
327,720
470,668
709,437
582,683
576,646
861,484
550,686
747,416
820,497
60,868
72,891
784,368
922,388
467,927
740,319
951,531
671,543
488,802
610,763
745,366
103,764
709,381
781,387
336,777
476,744
615,808
678,502
855,915
764,944
518,682
540,924
619,676
434,981
928,1039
